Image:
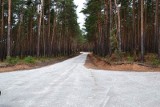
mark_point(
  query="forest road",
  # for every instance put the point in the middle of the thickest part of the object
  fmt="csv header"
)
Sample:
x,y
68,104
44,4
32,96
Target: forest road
x,y
70,84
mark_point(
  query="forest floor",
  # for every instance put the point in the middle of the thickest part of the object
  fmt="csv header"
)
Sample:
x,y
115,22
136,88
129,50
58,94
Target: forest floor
x,y
39,62
96,62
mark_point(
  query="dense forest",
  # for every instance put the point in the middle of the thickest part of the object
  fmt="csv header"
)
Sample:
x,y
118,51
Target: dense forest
x,y
50,28
38,28
123,26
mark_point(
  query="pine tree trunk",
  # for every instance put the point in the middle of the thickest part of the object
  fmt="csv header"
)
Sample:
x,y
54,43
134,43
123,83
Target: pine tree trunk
x,y
156,25
19,34
30,33
159,46
134,34
156,32
2,18
9,29
54,31
139,26
110,44
43,33
106,34
142,30
118,27
49,26
39,28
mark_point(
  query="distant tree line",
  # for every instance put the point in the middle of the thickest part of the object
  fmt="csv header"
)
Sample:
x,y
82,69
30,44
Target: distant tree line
x,y
130,26
38,28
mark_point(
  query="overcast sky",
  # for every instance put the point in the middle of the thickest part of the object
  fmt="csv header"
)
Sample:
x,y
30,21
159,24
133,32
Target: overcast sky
x,y
81,17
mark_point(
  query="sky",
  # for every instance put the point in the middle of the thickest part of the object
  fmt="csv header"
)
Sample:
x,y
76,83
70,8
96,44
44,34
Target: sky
x,y
81,17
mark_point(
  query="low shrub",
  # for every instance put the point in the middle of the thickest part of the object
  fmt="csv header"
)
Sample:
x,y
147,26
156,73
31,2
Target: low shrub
x,y
12,60
29,60
130,59
156,61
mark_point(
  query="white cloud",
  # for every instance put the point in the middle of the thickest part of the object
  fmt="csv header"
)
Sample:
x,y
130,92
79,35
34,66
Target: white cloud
x,y
81,17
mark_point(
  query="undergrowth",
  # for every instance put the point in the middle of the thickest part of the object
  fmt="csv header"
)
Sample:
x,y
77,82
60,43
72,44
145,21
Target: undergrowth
x,y
29,60
155,61
12,60
130,59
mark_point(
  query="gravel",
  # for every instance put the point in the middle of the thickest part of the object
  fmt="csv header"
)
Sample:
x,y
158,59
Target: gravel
x,y
70,84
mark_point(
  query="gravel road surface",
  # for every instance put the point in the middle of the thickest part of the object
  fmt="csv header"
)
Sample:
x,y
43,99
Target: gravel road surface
x,y
70,84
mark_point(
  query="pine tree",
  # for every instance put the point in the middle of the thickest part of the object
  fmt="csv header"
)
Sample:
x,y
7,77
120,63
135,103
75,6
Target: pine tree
x,y
9,29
